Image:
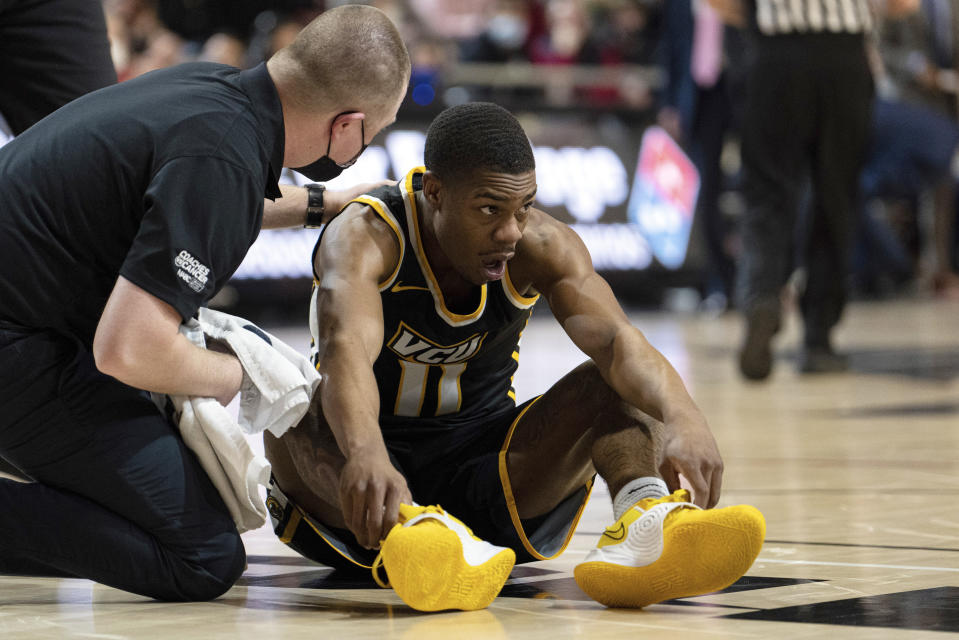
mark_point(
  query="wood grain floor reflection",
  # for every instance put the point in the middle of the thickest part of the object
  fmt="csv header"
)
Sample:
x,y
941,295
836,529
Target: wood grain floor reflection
x,y
856,473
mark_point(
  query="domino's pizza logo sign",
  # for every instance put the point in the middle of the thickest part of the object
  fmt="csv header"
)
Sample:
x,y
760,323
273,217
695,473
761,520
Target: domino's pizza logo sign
x,y
663,199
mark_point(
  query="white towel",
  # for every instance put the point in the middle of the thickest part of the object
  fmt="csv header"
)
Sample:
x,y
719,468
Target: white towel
x,y
278,383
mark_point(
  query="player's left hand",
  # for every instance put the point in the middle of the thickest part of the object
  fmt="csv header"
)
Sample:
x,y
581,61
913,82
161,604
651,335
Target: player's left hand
x,y
690,449
335,199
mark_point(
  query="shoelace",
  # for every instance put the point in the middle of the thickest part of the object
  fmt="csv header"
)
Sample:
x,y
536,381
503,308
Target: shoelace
x,y
377,563
680,496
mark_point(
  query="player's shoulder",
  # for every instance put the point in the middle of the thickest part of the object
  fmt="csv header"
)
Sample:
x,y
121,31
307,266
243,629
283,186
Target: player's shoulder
x,y
362,218
360,233
546,236
549,251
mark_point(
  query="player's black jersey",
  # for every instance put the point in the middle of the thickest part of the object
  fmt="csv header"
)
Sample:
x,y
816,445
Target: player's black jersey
x,y
438,369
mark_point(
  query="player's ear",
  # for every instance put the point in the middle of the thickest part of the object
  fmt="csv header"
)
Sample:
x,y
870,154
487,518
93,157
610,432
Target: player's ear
x,y
432,188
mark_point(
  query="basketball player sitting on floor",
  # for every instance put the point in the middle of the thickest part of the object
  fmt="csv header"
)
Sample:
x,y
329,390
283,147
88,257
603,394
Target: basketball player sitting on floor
x,y
422,292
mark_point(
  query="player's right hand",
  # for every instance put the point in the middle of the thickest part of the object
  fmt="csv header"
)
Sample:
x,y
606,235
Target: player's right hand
x,y
371,490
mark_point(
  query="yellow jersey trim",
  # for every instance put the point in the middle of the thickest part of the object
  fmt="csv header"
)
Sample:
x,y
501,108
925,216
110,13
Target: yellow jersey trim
x,y
511,500
291,525
331,545
512,387
451,318
298,516
399,287
518,299
384,212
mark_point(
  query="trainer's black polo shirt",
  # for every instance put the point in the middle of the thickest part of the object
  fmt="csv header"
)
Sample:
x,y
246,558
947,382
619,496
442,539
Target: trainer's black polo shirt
x,y
160,179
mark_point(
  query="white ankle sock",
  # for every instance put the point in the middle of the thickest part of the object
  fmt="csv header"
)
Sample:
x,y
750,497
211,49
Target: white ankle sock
x,y
636,490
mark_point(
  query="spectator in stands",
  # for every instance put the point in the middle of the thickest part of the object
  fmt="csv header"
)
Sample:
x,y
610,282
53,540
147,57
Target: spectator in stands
x,y
506,36
452,20
918,55
628,31
566,39
912,151
578,34
224,48
914,141
140,42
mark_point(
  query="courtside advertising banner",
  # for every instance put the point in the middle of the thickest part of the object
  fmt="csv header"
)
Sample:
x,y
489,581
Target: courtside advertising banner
x,y
663,201
632,215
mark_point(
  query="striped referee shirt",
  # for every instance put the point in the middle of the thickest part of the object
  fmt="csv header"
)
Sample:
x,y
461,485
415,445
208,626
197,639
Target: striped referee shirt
x,y
775,17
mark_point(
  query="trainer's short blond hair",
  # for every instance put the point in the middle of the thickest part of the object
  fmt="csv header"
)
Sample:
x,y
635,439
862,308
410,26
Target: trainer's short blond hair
x,y
350,58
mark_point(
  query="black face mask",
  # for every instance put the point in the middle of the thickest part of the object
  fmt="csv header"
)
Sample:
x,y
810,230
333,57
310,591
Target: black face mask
x,y
326,168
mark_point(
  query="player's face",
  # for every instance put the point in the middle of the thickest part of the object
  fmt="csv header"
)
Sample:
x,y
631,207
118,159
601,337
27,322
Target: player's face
x,y
481,219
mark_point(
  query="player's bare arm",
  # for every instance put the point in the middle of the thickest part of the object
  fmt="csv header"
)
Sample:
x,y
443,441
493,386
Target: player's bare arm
x,y
553,260
358,252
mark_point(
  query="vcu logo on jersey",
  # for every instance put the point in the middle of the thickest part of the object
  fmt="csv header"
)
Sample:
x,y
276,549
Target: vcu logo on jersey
x,y
429,372
413,347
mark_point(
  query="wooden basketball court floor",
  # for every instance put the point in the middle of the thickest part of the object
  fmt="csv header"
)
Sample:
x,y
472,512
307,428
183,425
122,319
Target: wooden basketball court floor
x,y
857,475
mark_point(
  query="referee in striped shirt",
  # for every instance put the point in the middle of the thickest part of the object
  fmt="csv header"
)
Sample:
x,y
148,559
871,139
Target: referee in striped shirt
x,y
809,94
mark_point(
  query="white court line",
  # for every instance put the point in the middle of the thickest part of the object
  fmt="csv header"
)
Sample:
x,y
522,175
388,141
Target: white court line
x,y
858,564
574,552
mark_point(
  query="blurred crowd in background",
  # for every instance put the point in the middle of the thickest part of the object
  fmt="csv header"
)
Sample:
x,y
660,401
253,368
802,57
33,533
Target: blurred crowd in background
x,y
442,35
149,34
666,62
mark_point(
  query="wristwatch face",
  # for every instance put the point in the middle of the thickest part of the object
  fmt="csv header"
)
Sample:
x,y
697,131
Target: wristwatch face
x,y
314,195
314,205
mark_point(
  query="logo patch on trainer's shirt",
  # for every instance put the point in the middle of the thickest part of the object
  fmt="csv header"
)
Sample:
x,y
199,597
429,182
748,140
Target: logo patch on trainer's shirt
x,y
193,272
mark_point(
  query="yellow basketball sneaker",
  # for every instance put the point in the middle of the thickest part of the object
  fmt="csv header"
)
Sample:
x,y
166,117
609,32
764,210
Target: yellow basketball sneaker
x,y
434,562
664,548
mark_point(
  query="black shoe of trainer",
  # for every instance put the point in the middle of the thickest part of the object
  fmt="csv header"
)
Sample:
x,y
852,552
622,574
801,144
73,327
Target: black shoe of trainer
x,y
755,357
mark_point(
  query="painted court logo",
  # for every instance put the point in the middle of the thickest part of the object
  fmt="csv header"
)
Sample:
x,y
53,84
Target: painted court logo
x,y
193,272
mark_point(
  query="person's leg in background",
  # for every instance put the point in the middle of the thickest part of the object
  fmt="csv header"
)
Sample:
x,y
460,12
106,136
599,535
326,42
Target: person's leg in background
x,y
844,103
776,129
710,125
118,497
945,280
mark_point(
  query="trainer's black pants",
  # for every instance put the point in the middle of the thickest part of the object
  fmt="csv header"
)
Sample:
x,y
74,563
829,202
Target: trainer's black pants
x,y
807,114
118,497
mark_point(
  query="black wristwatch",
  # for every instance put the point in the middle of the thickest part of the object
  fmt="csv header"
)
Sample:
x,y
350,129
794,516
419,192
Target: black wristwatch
x,y
314,205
